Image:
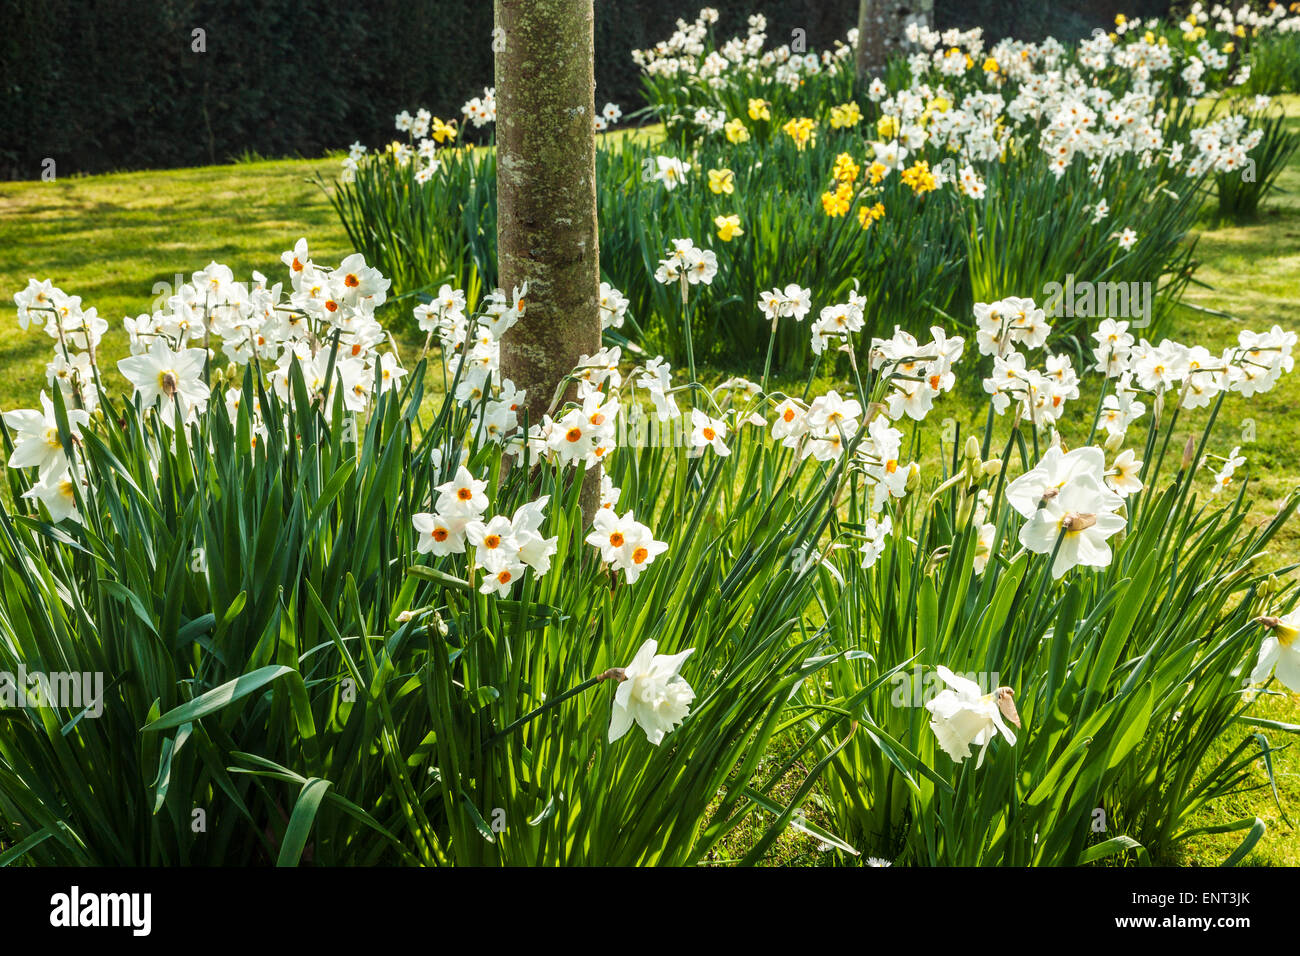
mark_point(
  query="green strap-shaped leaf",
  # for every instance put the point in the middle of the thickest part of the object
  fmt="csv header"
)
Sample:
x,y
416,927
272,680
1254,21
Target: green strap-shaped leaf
x,y
301,821
218,697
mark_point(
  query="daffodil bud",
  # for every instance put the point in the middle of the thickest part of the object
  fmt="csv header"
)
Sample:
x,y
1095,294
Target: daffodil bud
x,y
913,477
992,467
965,508
1114,441
1189,453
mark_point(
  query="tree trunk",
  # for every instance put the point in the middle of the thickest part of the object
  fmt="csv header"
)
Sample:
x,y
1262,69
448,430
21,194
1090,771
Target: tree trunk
x,y
871,39
546,189
881,26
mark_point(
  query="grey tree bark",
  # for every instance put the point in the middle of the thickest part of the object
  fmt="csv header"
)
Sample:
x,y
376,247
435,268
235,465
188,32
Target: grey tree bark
x,y
546,188
881,26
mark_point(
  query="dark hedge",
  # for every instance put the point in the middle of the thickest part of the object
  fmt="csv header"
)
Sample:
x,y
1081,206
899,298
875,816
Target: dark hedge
x,y
116,85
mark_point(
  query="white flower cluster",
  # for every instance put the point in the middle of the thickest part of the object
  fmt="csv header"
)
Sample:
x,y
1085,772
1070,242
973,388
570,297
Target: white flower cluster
x,y
481,110
1253,366
1223,145
687,54
327,318
471,353
503,547
919,373
688,264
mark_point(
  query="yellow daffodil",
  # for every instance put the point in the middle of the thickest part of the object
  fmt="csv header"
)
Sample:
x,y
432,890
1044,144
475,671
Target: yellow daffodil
x,y
869,214
800,130
990,65
876,172
846,170
442,132
736,131
728,227
1120,19
887,127
760,110
838,203
919,178
845,116
722,181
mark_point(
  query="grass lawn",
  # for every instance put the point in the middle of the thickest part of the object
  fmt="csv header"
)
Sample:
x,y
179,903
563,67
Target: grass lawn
x,y
116,239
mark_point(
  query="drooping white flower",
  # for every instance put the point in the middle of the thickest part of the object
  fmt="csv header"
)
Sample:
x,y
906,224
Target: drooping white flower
x,y
1230,465
1123,475
652,694
58,493
877,534
963,716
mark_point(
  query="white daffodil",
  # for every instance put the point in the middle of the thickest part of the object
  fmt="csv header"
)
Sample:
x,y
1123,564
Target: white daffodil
x,y
624,543
463,496
1077,516
877,533
172,377
962,715
440,534
671,171
36,437
1279,650
1123,475
651,693
58,494
708,432
1053,472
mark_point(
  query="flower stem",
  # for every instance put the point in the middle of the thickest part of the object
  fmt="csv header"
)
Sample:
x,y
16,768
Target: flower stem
x,y
690,347
611,674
